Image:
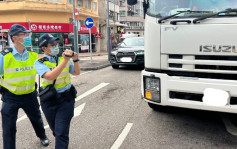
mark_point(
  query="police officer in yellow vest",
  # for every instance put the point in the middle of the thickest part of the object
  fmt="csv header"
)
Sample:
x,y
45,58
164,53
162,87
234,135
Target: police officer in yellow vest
x,y
17,80
55,72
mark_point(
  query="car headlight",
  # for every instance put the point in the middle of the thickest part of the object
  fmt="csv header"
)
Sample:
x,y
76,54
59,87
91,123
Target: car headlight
x,y
139,53
114,52
152,89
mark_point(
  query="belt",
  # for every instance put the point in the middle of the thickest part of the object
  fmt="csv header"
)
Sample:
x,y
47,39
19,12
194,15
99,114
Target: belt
x,y
64,94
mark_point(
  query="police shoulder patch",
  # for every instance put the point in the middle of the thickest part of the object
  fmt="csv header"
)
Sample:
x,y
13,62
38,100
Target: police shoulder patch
x,y
6,51
42,60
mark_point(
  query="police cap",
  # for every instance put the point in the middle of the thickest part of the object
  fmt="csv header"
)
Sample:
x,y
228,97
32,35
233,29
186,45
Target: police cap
x,y
45,39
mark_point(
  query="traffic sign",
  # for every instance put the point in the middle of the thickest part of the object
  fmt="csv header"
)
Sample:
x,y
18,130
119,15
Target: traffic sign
x,y
76,13
89,22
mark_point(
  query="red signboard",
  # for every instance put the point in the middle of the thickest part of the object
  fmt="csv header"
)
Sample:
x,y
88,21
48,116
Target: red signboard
x,y
50,27
76,13
97,35
85,30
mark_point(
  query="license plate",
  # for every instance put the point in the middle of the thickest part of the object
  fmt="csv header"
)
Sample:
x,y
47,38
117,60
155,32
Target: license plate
x,y
215,97
126,59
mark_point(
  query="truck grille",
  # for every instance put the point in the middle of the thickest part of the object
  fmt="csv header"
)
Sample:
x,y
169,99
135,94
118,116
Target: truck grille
x,y
205,64
194,97
125,54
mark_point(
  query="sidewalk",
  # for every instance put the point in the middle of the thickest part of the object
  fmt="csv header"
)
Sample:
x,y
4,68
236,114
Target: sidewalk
x,y
99,60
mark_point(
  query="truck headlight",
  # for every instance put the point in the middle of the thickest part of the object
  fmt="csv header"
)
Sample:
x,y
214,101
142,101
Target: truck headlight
x,y
152,89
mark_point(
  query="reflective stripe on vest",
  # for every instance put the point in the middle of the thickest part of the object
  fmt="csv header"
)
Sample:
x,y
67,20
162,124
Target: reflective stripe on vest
x,y
19,76
62,80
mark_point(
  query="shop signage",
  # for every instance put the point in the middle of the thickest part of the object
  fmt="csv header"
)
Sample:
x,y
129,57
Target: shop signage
x,y
121,29
51,27
97,35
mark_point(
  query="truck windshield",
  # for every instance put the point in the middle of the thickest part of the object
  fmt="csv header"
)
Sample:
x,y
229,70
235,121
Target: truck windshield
x,y
163,8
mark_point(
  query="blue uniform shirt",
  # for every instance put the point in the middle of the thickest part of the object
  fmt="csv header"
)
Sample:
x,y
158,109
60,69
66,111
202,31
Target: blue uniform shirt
x,y
16,55
42,69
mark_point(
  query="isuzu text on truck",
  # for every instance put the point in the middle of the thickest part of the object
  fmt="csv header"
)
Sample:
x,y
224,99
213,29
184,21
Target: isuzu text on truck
x,y
190,54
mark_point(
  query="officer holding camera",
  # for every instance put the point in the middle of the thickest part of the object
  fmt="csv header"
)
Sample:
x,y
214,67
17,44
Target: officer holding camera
x,y
17,82
57,94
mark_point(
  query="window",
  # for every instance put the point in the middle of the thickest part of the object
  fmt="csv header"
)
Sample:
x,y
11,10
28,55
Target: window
x,y
88,4
122,13
122,3
94,5
70,1
55,0
82,22
80,3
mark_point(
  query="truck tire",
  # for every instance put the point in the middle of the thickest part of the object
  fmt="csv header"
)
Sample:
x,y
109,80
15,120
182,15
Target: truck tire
x,y
115,66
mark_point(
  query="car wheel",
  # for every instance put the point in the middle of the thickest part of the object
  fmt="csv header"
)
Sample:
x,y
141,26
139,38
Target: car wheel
x,y
115,66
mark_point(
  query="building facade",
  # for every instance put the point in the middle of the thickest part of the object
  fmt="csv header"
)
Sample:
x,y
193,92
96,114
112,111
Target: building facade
x,y
133,17
116,28
48,16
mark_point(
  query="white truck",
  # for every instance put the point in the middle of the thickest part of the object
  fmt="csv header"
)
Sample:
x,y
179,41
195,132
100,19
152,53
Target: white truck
x,y
190,54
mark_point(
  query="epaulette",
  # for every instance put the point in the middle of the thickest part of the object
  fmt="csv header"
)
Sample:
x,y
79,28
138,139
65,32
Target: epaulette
x,y
42,60
6,51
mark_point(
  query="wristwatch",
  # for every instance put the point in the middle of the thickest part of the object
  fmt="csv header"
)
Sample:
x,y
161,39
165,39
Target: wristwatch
x,y
77,60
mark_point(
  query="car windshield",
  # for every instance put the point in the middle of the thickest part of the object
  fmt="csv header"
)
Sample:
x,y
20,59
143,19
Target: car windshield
x,y
133,42
163,8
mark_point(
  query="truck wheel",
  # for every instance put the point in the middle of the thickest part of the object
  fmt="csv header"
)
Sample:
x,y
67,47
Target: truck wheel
x,y
115,66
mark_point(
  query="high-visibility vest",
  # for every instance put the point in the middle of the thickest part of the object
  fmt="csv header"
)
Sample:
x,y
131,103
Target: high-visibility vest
x,y
19,76
62,80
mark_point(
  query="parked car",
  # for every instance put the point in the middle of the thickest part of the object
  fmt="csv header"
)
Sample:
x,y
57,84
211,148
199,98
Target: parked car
x,y
129,52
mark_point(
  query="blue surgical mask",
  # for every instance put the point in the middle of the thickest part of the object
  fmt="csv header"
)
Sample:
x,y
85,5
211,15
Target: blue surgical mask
x,y
27,41
54,51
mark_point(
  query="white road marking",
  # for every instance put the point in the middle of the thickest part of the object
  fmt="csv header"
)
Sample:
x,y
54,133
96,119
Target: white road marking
x,y
47,126
21,118
77,112
81,74
98,87
122,136
230,127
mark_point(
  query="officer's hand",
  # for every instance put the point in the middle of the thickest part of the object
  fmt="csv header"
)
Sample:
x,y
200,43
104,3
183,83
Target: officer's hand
x,y
75,56
67,53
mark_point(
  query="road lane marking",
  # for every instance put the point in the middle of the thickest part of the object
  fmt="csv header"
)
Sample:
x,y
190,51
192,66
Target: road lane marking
x,y
47,126
21,118
122,136
77,112
81,74
98,87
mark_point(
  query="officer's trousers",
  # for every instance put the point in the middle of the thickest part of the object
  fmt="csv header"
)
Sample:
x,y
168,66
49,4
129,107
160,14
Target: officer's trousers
x,y
9,111
59,114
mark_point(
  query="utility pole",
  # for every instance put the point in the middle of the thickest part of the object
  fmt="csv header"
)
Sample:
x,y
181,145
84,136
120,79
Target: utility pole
x,y
75,30
30,30
108,31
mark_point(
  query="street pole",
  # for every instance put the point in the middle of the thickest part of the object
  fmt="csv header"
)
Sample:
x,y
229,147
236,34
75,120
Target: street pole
x,y
108,31
30,30
75,30
90,46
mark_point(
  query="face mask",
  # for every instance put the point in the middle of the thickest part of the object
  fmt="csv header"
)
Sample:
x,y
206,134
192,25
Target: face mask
x,y
54,51
27,41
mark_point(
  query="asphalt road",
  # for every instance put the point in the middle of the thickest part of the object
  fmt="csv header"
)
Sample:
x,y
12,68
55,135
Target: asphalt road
x,y
110,114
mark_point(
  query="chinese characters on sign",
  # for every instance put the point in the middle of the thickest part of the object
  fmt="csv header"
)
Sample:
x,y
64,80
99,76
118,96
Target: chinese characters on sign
x,y
42,27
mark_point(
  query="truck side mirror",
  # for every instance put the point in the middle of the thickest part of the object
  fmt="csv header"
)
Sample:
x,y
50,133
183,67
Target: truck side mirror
x,y
132,2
